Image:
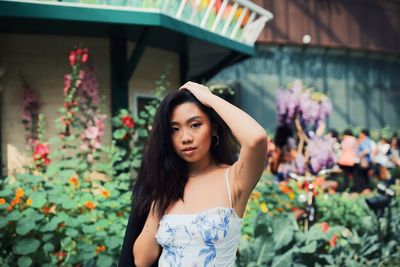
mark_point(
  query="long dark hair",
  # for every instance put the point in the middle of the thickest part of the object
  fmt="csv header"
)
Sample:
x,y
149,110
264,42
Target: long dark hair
x,y
163,174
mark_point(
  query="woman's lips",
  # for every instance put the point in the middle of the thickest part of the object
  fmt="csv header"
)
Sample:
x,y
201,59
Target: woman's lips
x,y
189,151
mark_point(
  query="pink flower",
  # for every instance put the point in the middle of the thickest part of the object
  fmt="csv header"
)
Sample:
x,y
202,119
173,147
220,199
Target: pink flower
x,y
85,58
92,132
72,58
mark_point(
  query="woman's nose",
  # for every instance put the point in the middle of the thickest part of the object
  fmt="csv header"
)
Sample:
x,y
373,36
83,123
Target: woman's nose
x,y
187,137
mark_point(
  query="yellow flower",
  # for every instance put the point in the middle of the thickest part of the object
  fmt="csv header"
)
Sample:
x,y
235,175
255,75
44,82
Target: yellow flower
x,y
90,205
291,195
19,193
105,193
263,207
29,202
2,201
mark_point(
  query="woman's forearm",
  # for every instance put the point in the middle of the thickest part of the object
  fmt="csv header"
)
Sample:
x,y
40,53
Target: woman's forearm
x,y
245,128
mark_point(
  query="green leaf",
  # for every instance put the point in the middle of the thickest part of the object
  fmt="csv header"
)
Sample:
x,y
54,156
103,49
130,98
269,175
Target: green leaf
x,y
119,134
284,232
3,222
26,246
283,261
69,204
38,199
112,242
14,215
88,256
71,232
48,247
88,229
104,261
32,214
25,225
47,237
24,261
309,247
266,255
6,192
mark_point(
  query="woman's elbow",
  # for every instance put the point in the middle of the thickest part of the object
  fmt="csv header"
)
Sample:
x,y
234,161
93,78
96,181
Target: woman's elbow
x,y
144,259
260,140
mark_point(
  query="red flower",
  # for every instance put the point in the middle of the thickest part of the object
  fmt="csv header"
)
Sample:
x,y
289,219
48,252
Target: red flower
x,y
79,51
72,58
325,227
128,121
42,150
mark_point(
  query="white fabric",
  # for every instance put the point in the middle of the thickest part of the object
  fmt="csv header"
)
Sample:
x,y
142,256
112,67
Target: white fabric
x,y
208,238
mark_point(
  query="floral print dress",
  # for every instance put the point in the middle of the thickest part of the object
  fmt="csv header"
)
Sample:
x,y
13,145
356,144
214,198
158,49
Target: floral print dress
x,y
205,239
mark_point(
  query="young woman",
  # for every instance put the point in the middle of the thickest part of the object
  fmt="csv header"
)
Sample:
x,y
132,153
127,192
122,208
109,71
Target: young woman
x,y
192,190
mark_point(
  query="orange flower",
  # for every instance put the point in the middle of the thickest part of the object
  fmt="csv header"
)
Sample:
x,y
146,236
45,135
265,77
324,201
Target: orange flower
x,y
2,201
100,249
255,195
283,186
119,213
73,180
9,208
332,241
19,193
15,201
90,205
60,255
46,210
29,202
105,193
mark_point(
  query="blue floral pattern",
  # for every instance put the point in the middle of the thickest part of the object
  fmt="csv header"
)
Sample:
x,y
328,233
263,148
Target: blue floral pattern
x,y
193,240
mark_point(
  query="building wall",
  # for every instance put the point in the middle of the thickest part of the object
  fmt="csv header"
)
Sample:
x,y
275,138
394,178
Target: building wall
x,y
363,87
43,61
357,24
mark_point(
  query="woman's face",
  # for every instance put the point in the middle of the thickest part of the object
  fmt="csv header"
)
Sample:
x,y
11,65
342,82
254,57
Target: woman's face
x,y
191,132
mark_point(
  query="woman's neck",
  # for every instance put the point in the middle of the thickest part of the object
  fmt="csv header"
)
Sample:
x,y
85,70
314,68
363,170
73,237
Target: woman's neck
x,y
198,168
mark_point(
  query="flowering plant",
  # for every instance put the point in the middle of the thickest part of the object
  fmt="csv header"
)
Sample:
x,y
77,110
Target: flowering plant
x,y
305,111
311,107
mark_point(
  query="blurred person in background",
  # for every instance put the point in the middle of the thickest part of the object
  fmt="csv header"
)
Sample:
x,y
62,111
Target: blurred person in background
x,y
394,160
284,154
364,154
348,157
381,159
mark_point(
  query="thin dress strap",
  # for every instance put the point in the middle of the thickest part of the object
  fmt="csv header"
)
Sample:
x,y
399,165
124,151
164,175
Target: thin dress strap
x,y
228,186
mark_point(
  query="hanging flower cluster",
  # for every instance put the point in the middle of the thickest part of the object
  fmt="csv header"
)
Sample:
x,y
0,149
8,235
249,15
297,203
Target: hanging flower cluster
x,y
311,107
30,113
72,84
321,153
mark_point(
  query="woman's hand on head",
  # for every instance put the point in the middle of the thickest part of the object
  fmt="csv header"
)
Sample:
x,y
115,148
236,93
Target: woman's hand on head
x,y
201,92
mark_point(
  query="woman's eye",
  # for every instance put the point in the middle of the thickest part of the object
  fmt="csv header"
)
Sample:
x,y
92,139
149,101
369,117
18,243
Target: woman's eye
x,y
196,125
174,129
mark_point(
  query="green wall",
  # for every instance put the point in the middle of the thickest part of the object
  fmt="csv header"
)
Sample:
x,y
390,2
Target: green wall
x,y
364,87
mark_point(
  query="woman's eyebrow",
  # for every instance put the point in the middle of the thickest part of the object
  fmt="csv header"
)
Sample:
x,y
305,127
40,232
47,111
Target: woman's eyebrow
x,y
188,121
